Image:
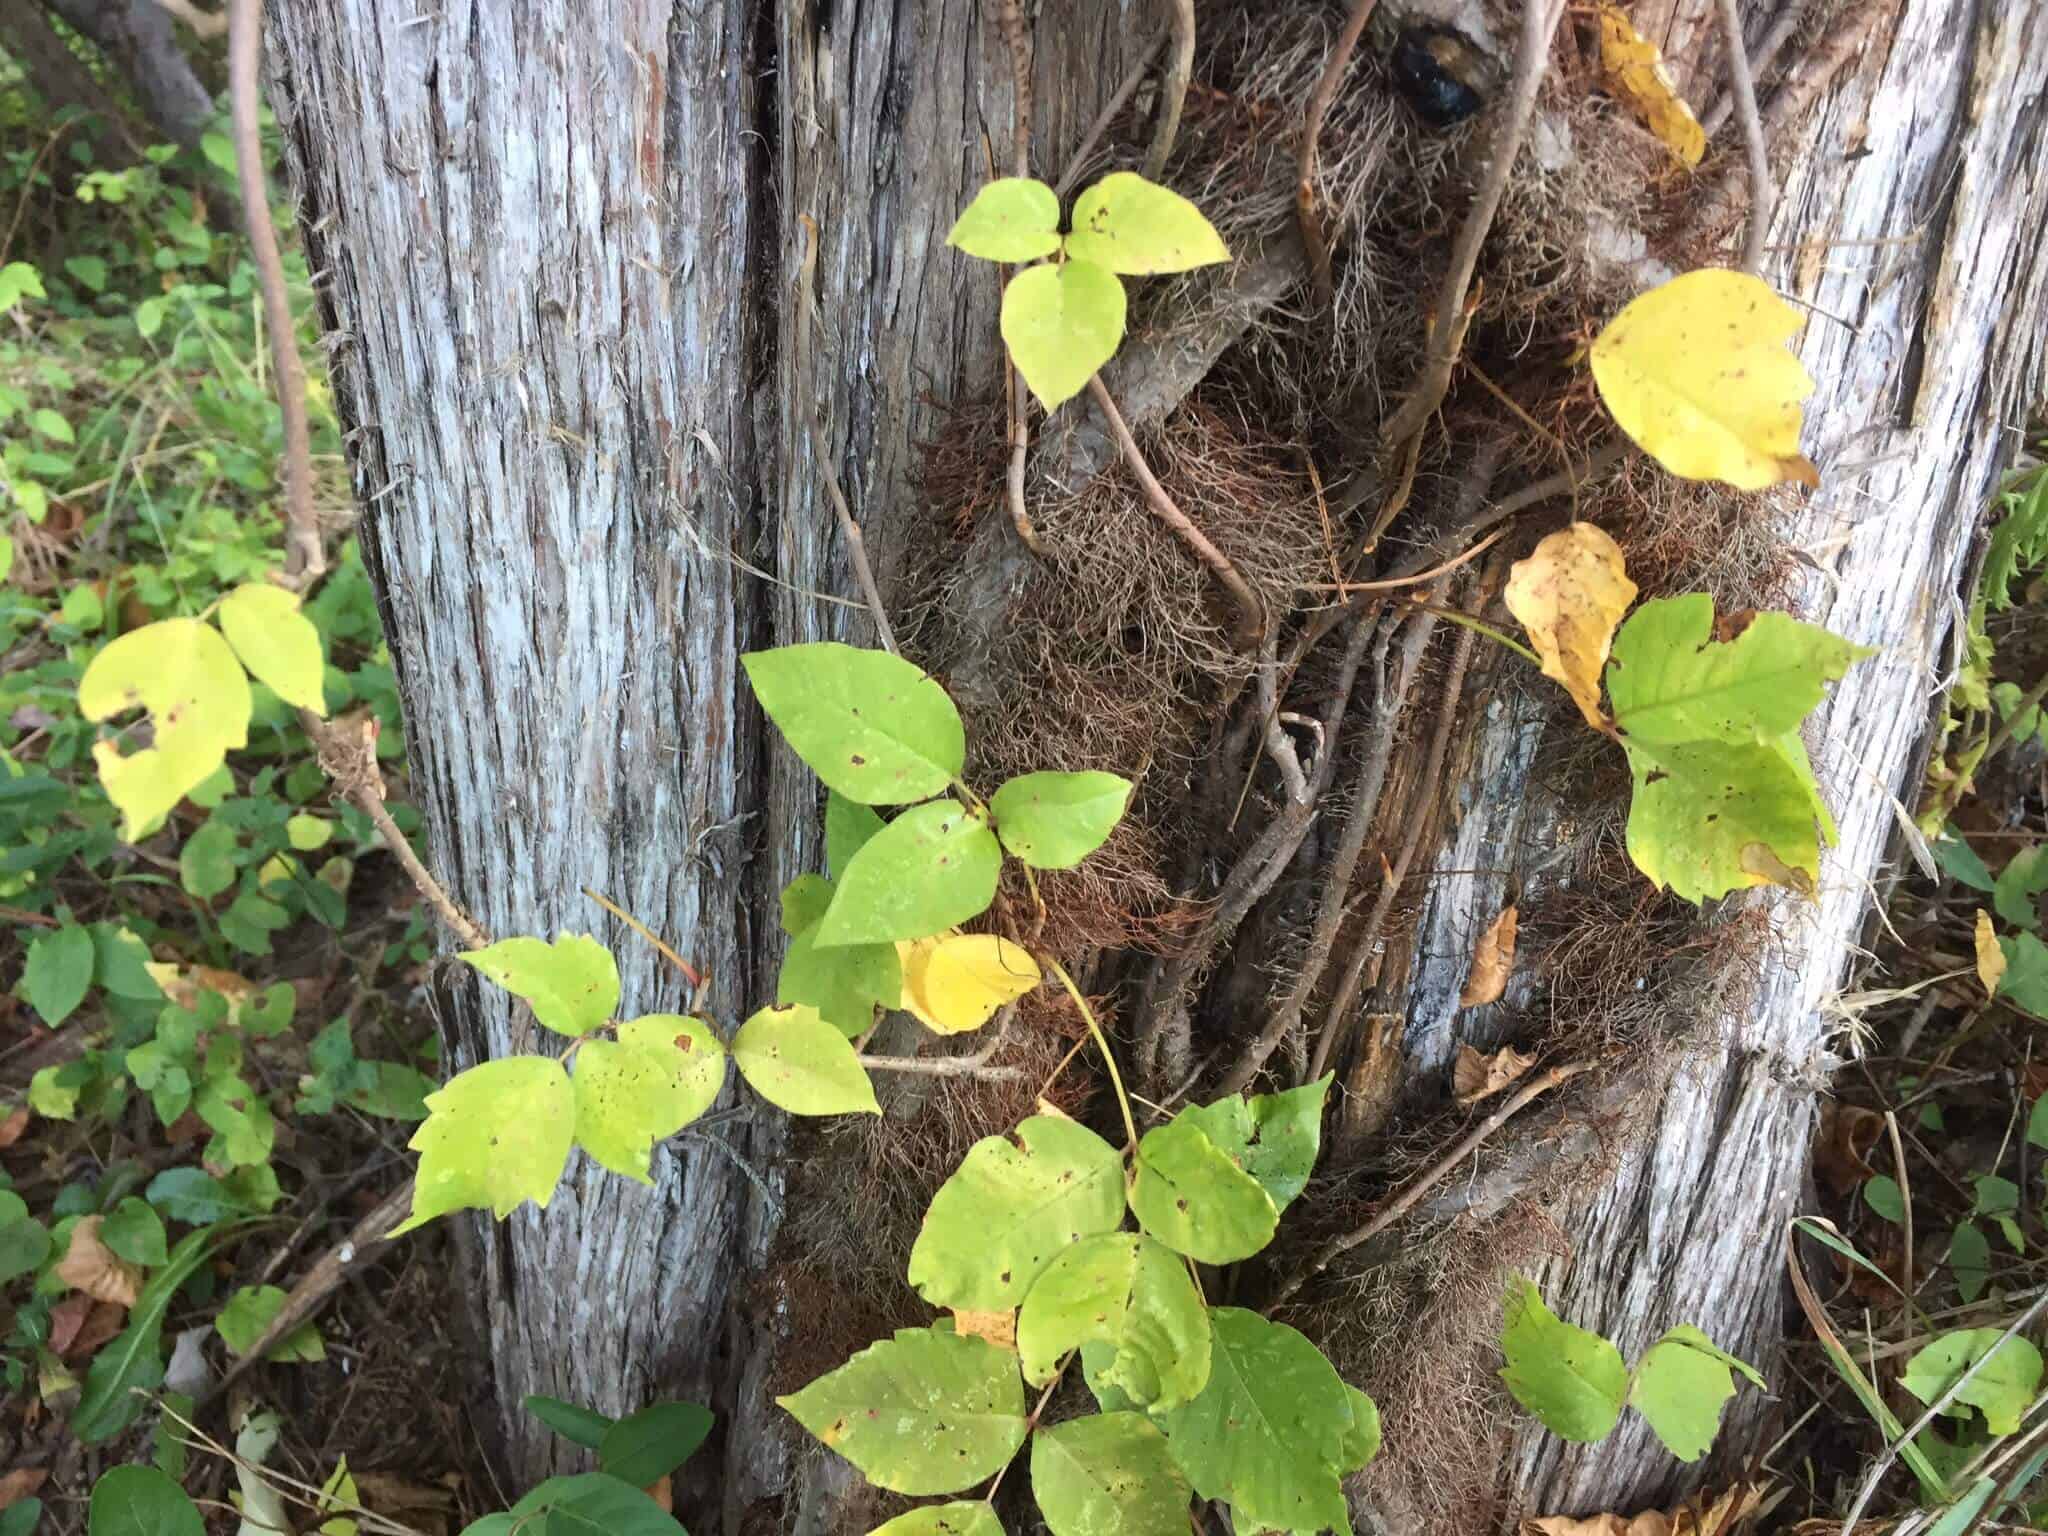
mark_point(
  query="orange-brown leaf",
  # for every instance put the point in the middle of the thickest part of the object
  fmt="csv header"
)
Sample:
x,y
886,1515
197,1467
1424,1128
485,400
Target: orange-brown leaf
x,y
1847,1134
1570,594
1475,1077
20,1483
999,1328
1493,958
89,1265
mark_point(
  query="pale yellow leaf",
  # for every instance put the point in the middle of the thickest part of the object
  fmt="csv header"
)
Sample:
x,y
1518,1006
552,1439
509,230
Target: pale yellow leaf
x,y
1634,67
276,642
89,1265
1990,954
197,695
1569,595
1698,373
999,1328
1493,958
953,983
1475,1077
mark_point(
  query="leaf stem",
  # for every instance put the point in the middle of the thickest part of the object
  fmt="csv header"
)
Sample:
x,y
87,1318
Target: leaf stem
x,y
1123,1100
689,971
1487,630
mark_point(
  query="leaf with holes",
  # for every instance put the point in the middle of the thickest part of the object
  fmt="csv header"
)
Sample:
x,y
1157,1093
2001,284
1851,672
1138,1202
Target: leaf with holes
x,y
1012,219
932,868
1191,1194
1010,1207
1061,323
2002,1386
495,1136
276,642
1571,1379
959,1518
1709,817
1131,1294
1109,1474
798,1062
871,725
923,1412
183,673
572,983
1055,820
1127,224
662,1072
1697,371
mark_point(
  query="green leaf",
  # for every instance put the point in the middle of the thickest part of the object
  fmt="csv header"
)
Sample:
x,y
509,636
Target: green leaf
x,y
1671,682
591,1504
52,425
871,725
254,1308
2026,973
1009,1208
582,1426
1055,820
1959,861
804,901
645,1447
1362,1439
1191,1195
798,1062
19,280
24,1247
663,1071
2002,1388
306,833
58,972
134,1231
2023,879
1969,1258
276,642
1011,219
1680,1385
1571,1379
1272,1429
1700,810
1128,224
190,1195
1885,1199
2037,1123
53,1091
1131,1294
933,867
90,271
1109,1474
572,983
23,1516
149,316
844,982
1062,323
207,864
956,1519
141,1501
1275,1137
924,1412
183,673
494,1136
133,1358
848,826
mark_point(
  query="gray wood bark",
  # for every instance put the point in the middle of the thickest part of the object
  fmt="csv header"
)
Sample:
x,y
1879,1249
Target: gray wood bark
x,y
559,246
141,41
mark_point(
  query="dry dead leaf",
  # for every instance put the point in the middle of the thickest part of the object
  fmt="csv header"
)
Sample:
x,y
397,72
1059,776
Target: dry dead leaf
x,y
1493,958
106,1319
1634,67
1990,957
1569,594
422,1506
999,1328
183,985
12,1127
67,1319
1846,1134
1688,1519
20,1483
1475,1077
1761,860
663,1494
89,1265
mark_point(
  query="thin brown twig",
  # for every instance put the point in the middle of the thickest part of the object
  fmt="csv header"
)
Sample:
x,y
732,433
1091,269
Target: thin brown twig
x,y
1119,99
690,972
1010,18
1742,85
975,1066
1180,68
1313,240
305,560
1767,53
1249,608
856,545
1406,1200
1394,582
1453,312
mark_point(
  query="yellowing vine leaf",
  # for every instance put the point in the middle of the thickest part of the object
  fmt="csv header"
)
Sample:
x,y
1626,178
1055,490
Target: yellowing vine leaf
x,y
494,1136
572,983
276,642
798,1062
1061,323
1698,373
954,983
184,674
1634,67
1569,594
1990,956
1128,224
1013,218
661,1073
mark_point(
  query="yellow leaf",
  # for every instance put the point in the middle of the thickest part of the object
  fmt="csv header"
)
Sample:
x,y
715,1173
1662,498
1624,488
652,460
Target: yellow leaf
x,y
1635,71
1569,595
276,642
1990,955
1475,1077
1493,958
183,673
999,1328
953,983
1698,373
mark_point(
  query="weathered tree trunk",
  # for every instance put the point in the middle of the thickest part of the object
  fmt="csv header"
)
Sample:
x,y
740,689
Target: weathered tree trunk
x,y
562,249
54,72
141,41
